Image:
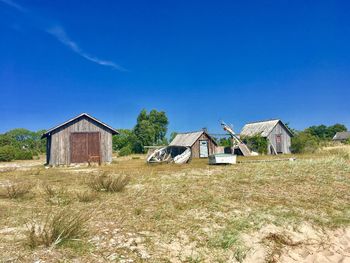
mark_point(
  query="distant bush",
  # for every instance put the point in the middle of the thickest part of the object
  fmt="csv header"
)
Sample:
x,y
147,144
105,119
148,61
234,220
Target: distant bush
x,y
125,151
23,155
7,153
304,142
256,143
108,183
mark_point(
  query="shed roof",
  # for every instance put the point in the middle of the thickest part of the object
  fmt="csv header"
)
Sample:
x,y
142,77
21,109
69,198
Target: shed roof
x,y
341,136
188,139
113,131
263,128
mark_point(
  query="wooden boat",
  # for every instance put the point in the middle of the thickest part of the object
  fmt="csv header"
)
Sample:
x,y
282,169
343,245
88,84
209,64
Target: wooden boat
x,y
176,154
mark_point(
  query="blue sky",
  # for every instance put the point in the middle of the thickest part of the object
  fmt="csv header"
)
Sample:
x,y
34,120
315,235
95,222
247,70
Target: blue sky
x,y
200,61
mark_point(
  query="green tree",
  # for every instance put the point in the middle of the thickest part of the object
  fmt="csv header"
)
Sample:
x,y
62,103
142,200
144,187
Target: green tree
x,y
304,142
7,153
323,132
257,143
225,142
150,129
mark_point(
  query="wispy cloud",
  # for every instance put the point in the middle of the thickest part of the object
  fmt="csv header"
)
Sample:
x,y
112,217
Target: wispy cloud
x,y
14,5
60,34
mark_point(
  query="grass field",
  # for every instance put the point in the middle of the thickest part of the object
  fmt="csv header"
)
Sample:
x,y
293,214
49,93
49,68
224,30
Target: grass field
x,y
248,212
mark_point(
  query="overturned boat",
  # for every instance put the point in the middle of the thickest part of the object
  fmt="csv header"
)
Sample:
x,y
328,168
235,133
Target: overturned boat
x,y
170,154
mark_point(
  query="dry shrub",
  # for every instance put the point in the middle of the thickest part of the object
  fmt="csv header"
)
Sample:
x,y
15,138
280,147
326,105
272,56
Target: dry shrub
x,y
86,196
16,190
55,196
57,227
108,183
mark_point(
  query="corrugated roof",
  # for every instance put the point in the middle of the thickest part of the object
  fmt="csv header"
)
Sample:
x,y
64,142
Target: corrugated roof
x,y
263,128
188,139
341,136
81,115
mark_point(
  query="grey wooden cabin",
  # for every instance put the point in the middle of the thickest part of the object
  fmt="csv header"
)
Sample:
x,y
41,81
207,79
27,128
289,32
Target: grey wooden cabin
x,y
83,139
276,133
201,143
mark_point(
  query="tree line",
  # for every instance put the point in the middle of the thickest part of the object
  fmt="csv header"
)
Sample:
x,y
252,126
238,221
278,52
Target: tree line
x,y
150,130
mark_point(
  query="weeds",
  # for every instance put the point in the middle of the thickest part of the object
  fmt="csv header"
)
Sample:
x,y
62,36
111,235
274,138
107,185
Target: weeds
x,y
56,196
108,183
16,190
56,228
86,196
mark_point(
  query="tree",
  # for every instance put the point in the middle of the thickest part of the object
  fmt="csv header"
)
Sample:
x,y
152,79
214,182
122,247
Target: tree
x,y
150,129
172,136
304,142
257,143
323,132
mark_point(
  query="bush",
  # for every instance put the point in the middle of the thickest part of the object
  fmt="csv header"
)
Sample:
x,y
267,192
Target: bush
x,y
56,228
16,190
125,151
109,183
56,196
7,153
304,142
86,196
256,143
23,155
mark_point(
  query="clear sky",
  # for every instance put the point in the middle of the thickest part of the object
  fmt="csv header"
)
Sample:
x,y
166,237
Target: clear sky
x,y
199,61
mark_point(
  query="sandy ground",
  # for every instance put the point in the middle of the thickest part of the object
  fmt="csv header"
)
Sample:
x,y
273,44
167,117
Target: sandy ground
x,y
305,244
21,165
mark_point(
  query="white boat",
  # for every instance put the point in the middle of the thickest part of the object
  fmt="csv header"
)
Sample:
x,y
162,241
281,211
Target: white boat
x,y
184,157
176,154
222,158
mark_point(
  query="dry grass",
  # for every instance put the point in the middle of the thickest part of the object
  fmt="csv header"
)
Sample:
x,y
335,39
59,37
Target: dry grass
x,y
57,227
190,212
15,190
108,182
86,196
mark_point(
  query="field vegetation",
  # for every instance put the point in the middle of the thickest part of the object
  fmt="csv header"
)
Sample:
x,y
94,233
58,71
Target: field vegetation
x,y
133,212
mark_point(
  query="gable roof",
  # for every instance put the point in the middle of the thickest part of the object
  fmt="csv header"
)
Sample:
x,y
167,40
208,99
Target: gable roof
x,y
113,131
263,128
341,136
188,139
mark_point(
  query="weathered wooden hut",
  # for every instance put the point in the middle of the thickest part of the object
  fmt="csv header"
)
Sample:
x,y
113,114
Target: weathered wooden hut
x,y
341,136
275,131
83,139
201,143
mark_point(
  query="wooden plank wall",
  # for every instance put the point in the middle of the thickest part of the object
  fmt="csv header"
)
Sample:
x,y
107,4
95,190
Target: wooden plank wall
x,y
195,146
59,153
286,138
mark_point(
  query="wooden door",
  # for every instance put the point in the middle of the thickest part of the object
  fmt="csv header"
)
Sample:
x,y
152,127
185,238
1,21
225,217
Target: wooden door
x,y
203,149
84,147
279,143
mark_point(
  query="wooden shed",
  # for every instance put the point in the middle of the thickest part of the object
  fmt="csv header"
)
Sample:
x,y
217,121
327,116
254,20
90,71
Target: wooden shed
x,y
341,136
201,143
275,131
82,139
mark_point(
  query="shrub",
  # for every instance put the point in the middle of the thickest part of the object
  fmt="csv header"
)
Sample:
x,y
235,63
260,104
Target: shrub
x,y
7,153
125,151
57,227
86,196
108,183
23,155
256,143
16,190
56,196
304,142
